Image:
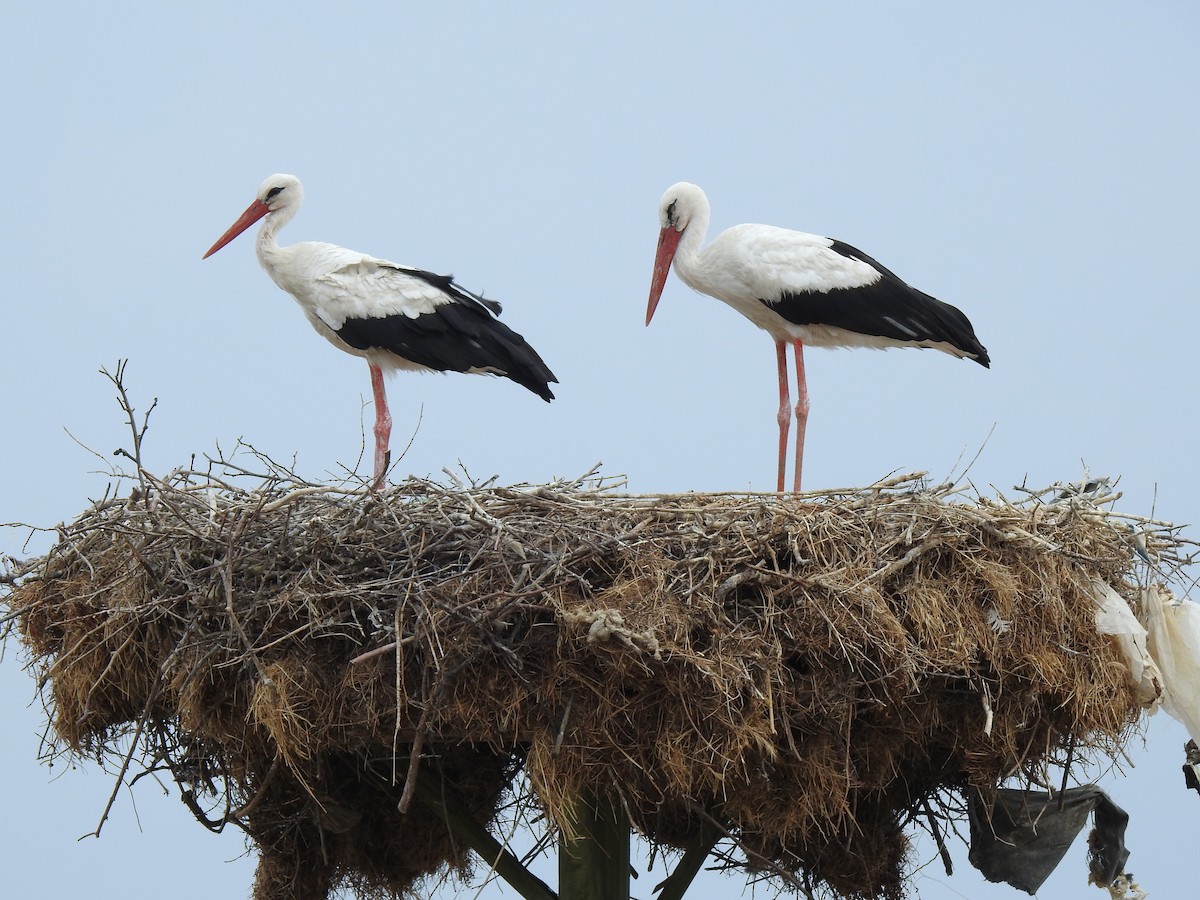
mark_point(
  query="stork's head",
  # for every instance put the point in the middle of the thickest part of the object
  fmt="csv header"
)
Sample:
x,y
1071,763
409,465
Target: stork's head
x,y
279,191
678,206
281,194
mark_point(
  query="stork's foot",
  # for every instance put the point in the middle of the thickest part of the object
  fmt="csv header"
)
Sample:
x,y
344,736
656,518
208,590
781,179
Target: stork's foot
x,y
383,461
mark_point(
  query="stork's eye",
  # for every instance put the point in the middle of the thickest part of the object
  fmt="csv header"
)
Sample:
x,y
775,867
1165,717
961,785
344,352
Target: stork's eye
x,y
274,192
671,212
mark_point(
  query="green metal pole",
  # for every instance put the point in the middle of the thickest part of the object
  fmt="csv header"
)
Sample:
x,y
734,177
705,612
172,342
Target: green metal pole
x,y
594,865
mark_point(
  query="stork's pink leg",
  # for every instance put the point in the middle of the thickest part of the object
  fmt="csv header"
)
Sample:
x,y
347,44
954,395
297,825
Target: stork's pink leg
x,y
383,428
784,416
801,410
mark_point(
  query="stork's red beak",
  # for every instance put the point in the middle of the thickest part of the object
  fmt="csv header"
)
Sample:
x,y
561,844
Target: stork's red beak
x,y
668,243
253,213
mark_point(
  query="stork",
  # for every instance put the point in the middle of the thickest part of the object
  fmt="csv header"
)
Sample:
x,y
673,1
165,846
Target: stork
x,y
801,289
393,316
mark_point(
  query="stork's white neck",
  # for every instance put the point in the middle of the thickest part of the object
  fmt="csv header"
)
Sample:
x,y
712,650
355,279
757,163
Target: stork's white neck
x,y
267,248
689,260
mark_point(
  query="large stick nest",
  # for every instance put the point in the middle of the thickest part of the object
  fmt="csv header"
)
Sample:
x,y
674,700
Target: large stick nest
x,y
811,674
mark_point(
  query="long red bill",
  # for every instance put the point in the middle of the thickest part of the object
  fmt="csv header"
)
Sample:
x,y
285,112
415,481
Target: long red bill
x,y
668,242
253,213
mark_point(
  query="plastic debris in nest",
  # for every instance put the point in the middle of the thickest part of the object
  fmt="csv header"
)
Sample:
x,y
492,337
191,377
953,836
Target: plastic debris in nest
x,y
1173,641
1191,766
1021,838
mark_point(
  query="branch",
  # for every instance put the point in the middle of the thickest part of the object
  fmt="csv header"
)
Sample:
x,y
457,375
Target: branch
x,y
685,871
443,800
118,380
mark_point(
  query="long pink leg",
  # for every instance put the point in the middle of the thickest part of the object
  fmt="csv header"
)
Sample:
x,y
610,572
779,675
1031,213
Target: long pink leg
x,y
784,416
801,409
383,427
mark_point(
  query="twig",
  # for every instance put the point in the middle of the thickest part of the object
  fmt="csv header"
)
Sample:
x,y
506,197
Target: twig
x,y
414,765
937,836
1062,789
138,434
125,763
371,654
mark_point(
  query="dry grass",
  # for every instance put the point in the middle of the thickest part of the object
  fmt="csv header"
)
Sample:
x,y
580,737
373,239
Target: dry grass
x,y
810,673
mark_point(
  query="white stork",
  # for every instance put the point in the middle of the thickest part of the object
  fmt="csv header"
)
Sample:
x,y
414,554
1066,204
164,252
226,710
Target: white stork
x,y
393,316
801,289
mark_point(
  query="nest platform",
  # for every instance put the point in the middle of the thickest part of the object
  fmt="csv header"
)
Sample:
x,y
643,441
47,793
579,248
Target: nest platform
x,y
805,677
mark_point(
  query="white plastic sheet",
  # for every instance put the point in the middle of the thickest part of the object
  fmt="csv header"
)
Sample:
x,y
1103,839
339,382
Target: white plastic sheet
x,y
1113,616
1174,642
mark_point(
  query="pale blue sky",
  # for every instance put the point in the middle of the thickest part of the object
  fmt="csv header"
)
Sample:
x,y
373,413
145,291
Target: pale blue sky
x,y
1032,163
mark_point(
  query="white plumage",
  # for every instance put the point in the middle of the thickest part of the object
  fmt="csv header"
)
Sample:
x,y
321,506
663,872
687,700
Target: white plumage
x,y
393,316
801,289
